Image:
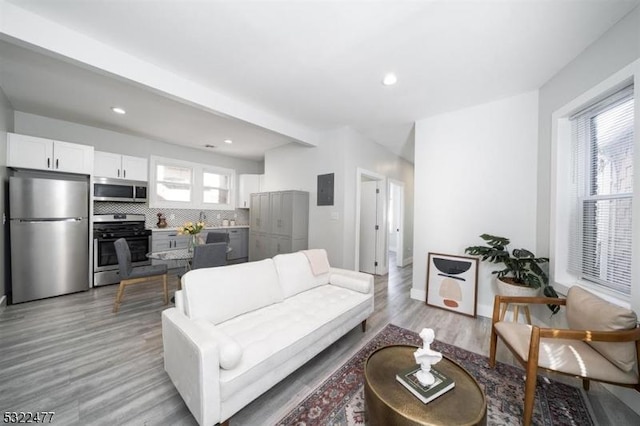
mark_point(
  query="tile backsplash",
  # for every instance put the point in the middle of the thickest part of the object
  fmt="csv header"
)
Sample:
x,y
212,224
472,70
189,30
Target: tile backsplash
x,y
241,216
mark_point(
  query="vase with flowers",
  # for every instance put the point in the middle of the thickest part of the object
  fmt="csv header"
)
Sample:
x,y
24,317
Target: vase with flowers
x,y
191,229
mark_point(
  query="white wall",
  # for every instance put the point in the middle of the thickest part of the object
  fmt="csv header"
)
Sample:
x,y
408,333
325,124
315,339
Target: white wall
x,y
613,51
110,141
297,167
475,173
364,154
341,152
617,48
6,125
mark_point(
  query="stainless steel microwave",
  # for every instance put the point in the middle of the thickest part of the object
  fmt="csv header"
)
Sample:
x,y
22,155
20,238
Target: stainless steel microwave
x,y
107,189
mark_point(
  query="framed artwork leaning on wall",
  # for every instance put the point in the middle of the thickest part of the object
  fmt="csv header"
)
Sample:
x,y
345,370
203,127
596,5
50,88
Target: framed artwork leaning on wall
x,y
452,283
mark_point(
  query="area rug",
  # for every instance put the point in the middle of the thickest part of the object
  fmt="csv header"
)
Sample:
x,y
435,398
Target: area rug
x,y
340,399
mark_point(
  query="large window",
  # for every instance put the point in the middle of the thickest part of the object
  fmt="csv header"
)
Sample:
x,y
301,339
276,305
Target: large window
x,y
187,185
600,248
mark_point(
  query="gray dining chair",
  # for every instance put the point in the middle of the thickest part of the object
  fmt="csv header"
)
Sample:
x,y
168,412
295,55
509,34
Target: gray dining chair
x,y
209,255
206,256
133,275
217,237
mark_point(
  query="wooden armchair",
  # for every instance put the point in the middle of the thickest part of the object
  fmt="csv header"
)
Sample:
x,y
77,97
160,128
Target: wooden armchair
x,y
602,343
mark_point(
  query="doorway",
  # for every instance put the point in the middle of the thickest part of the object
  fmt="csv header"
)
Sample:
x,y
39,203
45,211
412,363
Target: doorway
x,y
395,223
371,245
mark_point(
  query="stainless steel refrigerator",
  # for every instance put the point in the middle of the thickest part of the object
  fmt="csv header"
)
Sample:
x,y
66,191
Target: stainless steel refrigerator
x,y
49,232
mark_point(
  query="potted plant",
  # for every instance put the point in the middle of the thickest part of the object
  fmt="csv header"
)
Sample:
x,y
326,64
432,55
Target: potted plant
x,y
521,268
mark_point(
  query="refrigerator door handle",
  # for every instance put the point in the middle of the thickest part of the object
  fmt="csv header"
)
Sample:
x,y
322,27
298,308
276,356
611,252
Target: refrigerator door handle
x,y
70,219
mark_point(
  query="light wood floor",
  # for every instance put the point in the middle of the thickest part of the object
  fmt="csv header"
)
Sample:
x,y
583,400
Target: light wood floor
x,y
71,355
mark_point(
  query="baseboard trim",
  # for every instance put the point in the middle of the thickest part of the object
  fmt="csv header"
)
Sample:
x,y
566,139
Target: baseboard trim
x,y
3,302
420,295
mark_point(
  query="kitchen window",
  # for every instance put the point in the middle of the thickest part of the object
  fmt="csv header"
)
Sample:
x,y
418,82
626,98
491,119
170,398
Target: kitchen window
x,y
173,183
188,185
216,187
600,224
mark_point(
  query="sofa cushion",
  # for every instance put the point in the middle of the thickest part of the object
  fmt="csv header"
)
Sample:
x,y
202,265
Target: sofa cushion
x,y
351,279
586,311
294,272
219,294
229,351
274,335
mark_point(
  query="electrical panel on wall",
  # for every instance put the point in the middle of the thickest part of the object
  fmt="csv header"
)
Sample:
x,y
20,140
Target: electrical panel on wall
x,y
325,189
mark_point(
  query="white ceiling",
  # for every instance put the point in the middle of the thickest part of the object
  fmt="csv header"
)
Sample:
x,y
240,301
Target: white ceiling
x,y
38,84
317,64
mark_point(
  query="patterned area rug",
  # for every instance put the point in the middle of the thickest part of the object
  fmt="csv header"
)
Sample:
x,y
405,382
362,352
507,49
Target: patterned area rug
x,y
340,399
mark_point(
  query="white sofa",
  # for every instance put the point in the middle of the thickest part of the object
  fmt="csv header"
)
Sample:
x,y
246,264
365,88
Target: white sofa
x,y
238,330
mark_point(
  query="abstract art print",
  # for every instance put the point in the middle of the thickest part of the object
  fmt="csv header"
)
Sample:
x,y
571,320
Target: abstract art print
x,y
452,283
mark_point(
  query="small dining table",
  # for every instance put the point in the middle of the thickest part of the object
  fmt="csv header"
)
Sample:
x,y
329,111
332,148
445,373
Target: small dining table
x,y
177,254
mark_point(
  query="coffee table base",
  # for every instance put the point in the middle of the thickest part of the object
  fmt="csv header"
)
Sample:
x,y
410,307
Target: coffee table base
x,y
387,402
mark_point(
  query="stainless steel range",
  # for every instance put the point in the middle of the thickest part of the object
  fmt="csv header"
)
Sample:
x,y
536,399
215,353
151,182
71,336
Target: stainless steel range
x,y
106,229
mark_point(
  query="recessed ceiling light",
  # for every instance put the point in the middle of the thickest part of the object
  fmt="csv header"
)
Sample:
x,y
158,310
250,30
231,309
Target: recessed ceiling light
x,y
118,110
229,141
390,79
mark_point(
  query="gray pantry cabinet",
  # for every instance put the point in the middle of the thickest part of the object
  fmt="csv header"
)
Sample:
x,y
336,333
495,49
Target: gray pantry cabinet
x,y
279,223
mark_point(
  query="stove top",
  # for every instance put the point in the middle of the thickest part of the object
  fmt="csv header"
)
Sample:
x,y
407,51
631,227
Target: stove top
x,y
119,225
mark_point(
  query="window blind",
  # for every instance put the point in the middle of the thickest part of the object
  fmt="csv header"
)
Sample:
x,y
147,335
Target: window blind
x,y
602,192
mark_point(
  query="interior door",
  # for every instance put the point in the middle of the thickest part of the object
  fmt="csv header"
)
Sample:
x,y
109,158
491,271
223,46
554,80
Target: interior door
x,y
368,226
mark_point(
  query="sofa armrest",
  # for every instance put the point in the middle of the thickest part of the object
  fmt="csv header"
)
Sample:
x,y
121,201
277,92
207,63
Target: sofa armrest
x,y
191,358
352,280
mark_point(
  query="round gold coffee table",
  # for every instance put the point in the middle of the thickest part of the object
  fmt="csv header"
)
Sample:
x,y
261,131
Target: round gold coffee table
x,y
390,403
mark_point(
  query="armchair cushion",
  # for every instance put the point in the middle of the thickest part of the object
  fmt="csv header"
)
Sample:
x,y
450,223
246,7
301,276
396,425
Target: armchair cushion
x,y
573,357
586,311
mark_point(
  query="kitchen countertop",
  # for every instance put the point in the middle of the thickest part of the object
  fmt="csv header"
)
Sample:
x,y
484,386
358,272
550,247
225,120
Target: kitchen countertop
x,y
207,228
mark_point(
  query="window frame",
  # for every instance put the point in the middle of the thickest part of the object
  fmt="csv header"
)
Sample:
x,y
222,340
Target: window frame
x,y
562,179
585,148
231,175
197,185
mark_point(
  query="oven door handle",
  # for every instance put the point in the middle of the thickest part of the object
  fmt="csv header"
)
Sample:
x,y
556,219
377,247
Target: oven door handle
x,y
111,240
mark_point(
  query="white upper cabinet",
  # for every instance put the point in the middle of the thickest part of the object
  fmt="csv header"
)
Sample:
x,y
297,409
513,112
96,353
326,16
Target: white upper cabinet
x,y
31,152
119,166
248,185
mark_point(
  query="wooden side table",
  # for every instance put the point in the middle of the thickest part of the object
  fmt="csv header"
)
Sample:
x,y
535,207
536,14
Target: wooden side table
x,y
390,403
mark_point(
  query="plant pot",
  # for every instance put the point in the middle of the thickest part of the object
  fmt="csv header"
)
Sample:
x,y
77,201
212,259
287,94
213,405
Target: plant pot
x,y
505,288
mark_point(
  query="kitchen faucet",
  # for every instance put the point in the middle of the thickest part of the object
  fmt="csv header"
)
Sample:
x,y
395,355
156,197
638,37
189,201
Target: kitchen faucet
x,y
203,217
